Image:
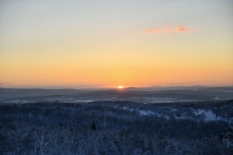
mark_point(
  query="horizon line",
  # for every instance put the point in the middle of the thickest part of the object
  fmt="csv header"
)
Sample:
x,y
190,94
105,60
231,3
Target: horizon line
x,y
104,87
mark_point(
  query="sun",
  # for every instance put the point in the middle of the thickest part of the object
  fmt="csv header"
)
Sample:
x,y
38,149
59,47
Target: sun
x,y
120,87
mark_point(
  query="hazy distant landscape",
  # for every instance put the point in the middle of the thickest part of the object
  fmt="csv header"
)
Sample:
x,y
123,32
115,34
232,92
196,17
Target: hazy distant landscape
x,y
142,95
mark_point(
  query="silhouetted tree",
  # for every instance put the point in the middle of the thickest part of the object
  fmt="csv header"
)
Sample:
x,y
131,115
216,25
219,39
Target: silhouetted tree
x,y
93,127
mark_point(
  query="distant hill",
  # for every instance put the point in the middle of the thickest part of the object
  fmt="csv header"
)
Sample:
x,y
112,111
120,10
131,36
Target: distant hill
x,y
131,93
13,93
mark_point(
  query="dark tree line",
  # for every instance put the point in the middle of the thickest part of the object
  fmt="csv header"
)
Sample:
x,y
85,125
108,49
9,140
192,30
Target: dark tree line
x,y
113,128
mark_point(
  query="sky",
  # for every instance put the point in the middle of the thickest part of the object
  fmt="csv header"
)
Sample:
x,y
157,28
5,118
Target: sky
x,y
107,43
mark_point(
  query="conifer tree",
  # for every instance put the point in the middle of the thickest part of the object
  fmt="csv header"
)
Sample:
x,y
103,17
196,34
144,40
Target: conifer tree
x,y
93,127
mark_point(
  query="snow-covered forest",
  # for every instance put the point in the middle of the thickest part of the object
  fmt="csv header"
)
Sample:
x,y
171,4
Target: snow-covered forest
x,y
117,128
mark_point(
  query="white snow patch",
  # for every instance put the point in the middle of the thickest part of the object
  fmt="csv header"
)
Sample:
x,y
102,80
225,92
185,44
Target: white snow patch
x,y
143,112
159,100
65,99
208,115
20,101
60,99
174,110
129,109
86,101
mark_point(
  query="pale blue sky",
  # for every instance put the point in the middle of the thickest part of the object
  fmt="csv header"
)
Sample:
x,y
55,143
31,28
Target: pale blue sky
x,y
51,19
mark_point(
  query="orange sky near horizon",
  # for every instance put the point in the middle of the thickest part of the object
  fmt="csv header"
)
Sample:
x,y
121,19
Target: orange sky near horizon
x,y
82,44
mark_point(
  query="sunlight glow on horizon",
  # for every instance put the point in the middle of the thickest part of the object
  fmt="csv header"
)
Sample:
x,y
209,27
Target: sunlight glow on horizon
x,y
103,44
120,87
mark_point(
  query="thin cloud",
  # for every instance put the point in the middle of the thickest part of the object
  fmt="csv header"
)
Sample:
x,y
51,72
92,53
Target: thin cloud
x,y
183,29
168,29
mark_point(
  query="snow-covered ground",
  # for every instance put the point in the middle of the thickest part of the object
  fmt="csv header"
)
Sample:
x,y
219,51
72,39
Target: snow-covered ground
x,y
166,100
167,113
208,115
20,101
200,114
61,100
68,100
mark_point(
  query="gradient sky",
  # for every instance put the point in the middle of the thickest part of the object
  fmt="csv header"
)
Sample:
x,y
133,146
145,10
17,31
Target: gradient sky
x,y
65,43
